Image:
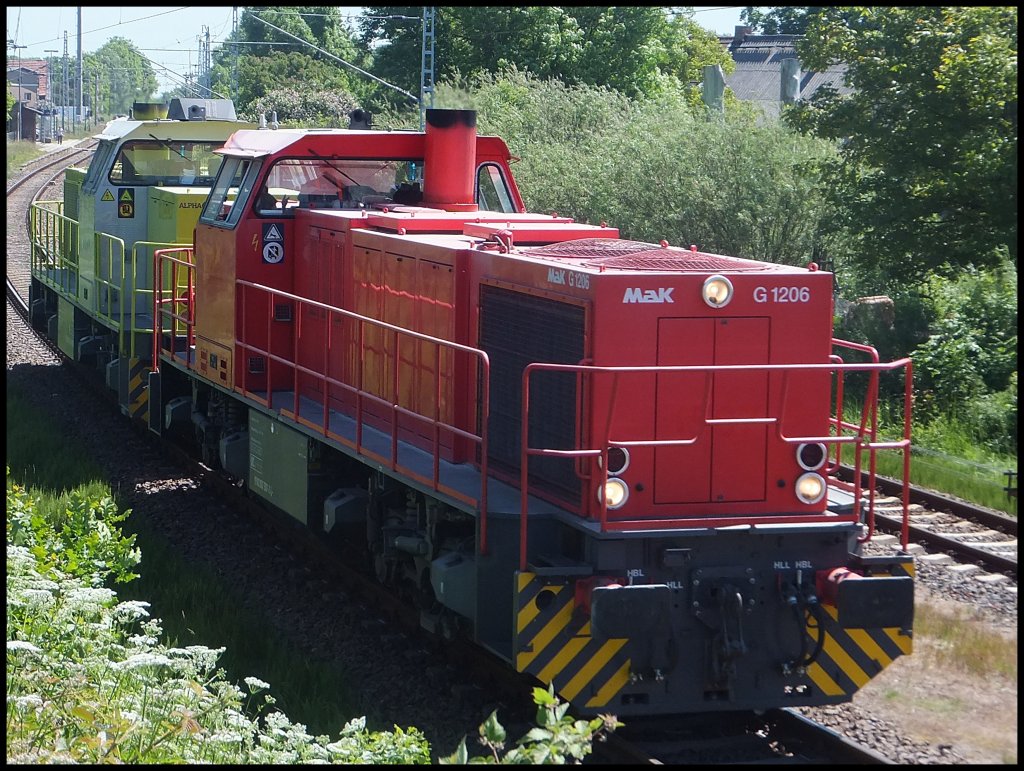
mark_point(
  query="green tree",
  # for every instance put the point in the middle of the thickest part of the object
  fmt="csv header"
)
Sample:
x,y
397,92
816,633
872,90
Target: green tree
x,y
926,175
268,57
634,49
786,20
123,76
654,168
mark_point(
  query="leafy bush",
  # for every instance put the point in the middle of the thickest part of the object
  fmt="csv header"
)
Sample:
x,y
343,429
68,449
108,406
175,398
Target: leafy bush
x,y
305,106
556,739
993,419
967,367
656,168
88,680
82,540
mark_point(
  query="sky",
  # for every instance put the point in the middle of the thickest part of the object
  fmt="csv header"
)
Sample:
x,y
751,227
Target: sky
x,y
169,36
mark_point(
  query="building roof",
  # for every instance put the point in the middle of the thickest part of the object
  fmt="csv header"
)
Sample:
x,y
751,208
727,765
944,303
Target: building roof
x,y
36,66
757,77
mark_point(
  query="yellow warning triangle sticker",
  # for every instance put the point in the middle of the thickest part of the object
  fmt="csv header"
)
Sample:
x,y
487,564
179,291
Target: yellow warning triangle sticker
x,y
107,196
126,195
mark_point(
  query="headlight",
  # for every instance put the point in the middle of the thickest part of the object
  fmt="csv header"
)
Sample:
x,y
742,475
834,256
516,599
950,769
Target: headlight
x,y
618,460
615,492
810,488
717,291
811,456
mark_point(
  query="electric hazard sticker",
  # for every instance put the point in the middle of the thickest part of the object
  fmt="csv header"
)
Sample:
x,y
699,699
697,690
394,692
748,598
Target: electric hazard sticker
x,y
107,196
126,202
273,243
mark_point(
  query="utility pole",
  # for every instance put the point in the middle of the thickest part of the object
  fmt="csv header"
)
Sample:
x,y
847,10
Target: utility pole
x,y
204,62
427,65
234,54
65,87
50,92
21,98
81,112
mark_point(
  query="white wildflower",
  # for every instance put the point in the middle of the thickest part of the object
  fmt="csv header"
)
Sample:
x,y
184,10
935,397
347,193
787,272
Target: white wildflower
x,y
130,610
22,645
32,701
140,660
255,684
223,737
90,597
39,597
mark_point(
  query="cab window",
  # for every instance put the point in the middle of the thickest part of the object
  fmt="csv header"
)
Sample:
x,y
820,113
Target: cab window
x,y
97,167
165,162
231,190
492,193
327,183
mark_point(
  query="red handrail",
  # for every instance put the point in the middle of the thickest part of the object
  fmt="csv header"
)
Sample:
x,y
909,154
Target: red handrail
x,y
169,257
859,440
363,397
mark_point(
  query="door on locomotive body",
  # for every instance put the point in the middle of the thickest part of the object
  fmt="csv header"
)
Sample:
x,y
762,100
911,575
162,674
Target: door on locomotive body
x,y
730,457
223,311
646,319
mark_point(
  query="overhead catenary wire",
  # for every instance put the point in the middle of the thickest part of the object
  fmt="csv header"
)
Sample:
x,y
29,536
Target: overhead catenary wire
x,y
414,98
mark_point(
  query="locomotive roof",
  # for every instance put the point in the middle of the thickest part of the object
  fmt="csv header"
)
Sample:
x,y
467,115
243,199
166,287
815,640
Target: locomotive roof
x,y
123,129
255,143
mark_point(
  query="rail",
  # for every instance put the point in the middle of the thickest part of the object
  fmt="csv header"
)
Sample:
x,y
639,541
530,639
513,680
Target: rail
x,y
118,278
53,258
863,436
173,299
174,312
55,262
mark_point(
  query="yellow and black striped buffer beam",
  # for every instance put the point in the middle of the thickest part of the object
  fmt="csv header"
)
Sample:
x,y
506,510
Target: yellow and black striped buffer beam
x,y
138,389
850,658
553,643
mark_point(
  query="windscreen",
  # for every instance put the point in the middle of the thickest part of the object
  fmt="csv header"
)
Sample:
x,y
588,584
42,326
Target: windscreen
x,y
165,162
321,183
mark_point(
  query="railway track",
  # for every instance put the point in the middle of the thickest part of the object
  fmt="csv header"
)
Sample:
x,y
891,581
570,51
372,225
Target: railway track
x,y
37,177
778,736
951,530
779,743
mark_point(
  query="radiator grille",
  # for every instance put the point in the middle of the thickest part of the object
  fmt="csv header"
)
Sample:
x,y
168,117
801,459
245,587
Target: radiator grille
x,y
517,329
604,253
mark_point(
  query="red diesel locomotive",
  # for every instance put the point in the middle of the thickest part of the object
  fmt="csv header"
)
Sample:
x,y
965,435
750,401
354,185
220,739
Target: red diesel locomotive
x,y
610,463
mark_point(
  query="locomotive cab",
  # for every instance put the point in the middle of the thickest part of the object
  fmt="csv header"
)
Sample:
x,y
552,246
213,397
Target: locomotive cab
x,y
92,261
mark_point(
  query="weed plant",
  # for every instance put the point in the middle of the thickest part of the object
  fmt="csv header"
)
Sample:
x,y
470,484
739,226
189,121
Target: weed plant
x,y
18,154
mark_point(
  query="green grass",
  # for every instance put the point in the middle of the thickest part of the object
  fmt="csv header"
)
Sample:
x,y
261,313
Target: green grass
x,y
195,605
20,153
198,608
40,460
975,482
945,458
